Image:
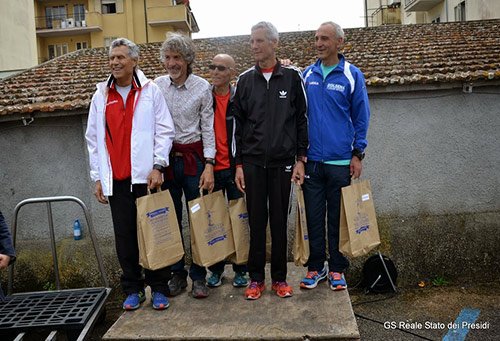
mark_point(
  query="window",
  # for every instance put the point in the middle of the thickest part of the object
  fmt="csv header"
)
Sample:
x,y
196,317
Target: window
x,y
108,41
54,15
438,19
57,50
81,45
79,14
460,11
108,6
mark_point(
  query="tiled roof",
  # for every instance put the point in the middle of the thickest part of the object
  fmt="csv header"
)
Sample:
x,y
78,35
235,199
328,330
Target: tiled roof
x,y
388,55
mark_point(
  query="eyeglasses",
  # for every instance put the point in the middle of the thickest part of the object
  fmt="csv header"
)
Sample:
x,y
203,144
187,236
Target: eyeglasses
x,y
219,67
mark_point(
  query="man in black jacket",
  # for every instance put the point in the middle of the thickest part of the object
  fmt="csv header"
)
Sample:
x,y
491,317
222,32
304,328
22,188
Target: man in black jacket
x,y
7,253
271,143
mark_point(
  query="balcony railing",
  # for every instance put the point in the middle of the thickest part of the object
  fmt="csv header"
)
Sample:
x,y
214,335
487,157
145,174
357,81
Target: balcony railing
x,y
421,5
47,26
178,16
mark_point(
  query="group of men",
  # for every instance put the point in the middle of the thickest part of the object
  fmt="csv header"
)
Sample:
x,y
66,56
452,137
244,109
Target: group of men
x,y
277,126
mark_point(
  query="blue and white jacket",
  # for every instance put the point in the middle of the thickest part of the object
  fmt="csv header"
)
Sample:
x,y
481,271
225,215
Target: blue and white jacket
x,y
338,111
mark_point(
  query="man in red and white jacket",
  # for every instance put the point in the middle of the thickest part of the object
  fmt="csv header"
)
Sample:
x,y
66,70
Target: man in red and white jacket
x,y
129,137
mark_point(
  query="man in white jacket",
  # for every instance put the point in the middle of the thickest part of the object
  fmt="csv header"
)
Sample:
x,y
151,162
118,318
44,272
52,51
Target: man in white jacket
x,y
129,137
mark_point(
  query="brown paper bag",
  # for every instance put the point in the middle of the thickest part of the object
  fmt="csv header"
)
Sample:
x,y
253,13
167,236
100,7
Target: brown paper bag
x,y
358,221
211,235
238,215
301,242
158,234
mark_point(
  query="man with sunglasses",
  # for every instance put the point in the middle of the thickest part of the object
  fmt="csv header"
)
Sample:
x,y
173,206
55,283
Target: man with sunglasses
x,y
189,98
271,145
222,71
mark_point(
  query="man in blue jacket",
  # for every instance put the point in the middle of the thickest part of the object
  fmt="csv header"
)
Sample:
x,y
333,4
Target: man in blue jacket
x,y
7,253
338,112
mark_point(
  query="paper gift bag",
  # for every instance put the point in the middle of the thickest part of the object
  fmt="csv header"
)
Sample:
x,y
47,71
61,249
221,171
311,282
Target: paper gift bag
x,y
238,215
358,221
301,241
158,234
211,235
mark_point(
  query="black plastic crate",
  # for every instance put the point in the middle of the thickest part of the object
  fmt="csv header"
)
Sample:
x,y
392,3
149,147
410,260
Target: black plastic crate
x,y
64,309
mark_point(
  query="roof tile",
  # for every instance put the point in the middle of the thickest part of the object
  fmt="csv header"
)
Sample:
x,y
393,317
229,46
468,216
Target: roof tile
x,y
387,55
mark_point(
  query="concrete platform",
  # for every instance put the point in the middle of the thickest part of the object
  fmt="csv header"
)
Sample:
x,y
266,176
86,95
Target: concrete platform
x,y
319,314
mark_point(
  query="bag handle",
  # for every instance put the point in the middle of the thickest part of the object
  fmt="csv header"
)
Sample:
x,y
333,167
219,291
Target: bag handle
x,y
158,189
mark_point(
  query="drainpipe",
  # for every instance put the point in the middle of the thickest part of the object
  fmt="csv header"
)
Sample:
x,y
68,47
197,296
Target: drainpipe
x,y
446,11
146,21
366,13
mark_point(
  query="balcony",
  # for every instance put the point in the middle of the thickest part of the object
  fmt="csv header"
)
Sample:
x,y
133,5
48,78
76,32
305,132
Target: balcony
x,y
56,26
421,5
178,16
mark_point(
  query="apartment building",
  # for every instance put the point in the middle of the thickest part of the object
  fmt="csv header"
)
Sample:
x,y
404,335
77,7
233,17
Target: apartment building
x,y
62,26
389,12
18,49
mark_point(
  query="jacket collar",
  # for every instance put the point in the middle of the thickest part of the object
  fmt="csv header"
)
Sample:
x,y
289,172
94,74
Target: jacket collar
x,y
340,66
276,71
139,80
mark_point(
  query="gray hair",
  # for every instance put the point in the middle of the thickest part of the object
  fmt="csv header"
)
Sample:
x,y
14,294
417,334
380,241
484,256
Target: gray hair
x,y
133,49
271,31
177,42
339,32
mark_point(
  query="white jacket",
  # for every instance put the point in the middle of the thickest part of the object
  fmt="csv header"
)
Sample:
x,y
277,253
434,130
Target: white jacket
x,y
152,134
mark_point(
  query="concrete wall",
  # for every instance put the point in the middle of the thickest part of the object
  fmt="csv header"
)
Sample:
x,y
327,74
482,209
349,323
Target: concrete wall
x,y
17,35
432,160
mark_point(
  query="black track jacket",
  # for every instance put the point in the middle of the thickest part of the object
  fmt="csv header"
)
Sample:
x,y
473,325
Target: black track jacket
x,y
271,121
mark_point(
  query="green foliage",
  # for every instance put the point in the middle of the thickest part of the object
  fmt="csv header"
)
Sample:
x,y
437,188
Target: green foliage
x,y
440,281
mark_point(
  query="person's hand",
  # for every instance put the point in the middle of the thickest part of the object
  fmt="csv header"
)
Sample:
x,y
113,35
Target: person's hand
x,y
207,178
4,261
298,173
99,194
356,167
155,179
239,179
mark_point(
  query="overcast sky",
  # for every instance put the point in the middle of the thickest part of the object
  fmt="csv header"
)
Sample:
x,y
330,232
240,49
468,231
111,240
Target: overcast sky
x,y
236,17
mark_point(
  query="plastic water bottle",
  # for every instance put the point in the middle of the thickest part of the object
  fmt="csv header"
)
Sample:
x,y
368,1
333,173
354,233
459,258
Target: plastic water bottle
x,y
77,230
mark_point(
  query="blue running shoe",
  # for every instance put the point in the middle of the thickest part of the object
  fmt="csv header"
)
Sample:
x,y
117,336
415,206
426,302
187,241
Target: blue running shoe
x,y
337,281
313,278
215,280
160,301
133,301
240,280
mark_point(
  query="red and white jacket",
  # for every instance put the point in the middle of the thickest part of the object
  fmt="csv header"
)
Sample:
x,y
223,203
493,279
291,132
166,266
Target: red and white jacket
x,y
152,133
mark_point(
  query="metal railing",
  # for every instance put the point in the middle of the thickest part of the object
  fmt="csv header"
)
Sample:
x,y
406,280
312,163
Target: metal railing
x,y
59,21
90,226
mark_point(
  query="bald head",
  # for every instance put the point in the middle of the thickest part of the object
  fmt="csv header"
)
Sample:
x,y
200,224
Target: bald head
x,y
226,59
222,71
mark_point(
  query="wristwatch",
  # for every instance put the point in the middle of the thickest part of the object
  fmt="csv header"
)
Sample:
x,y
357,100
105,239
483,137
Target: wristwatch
x,y
359,154
159,167
210,162
302,158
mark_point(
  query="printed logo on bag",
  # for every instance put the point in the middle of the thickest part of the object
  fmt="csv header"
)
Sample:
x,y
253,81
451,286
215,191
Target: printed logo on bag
x,y
362,222
362,229
157,212
215,232
158,219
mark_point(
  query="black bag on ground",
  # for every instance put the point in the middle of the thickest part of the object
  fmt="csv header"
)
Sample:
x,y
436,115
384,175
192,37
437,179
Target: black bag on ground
x,y
375,278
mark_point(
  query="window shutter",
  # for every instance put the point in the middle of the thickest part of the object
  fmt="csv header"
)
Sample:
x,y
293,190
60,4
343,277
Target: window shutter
x,y
119,6
97,6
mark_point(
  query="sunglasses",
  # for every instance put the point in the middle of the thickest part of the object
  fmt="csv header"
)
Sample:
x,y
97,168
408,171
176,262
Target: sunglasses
x,y
219,67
